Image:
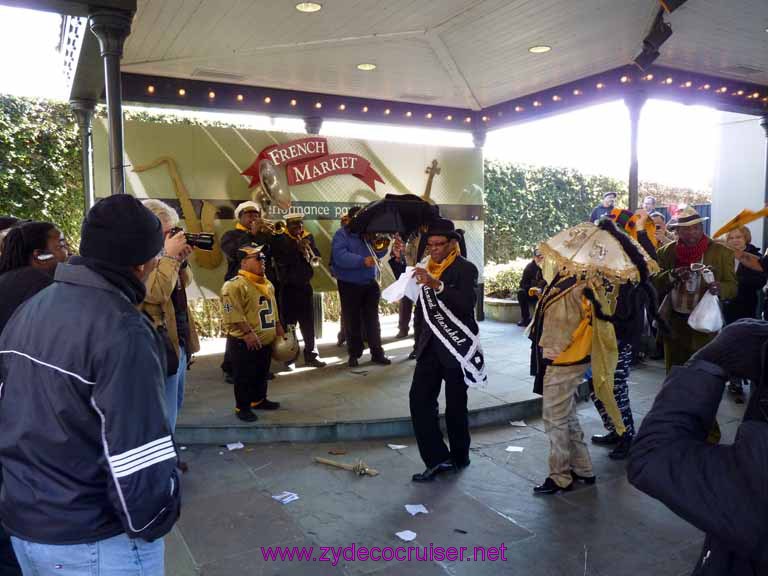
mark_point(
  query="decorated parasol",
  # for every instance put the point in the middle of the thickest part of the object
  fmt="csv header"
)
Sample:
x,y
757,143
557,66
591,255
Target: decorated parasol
x,y
741,219
593,251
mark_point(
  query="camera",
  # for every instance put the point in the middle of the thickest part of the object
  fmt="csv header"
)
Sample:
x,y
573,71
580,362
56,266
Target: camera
x,y
202,240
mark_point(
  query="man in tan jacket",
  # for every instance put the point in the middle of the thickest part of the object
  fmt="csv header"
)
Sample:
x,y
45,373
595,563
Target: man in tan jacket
x,y
166,303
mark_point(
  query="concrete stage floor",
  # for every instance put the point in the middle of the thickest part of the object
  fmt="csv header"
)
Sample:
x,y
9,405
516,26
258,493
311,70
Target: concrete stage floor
x,y
337,402
609,529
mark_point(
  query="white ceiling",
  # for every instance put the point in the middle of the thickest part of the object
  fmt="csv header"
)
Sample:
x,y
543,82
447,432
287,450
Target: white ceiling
x,y
471,53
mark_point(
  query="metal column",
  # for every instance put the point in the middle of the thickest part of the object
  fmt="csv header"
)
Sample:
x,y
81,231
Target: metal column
x,y
83,110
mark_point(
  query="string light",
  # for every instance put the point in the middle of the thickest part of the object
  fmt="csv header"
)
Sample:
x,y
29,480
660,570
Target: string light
x,y
318,105
342,107
485,118
467,120
387,112
648,77
211,95
182,92
624,79
556,98
687,84
740,93
599,85
365,108
151,89
267,100
408,114
756,95
449,117
722,89
669,80
706,86
536,104
577,92
428,116
293,102
519,108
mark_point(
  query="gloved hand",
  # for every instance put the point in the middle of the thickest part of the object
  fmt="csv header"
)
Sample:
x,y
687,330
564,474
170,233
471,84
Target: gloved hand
x,y
736,350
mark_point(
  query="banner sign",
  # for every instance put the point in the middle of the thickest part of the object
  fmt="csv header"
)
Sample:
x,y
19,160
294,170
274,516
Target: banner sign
x,y
307,160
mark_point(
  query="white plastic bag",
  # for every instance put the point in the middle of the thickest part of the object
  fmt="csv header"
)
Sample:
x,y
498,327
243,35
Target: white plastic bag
x,y
707,316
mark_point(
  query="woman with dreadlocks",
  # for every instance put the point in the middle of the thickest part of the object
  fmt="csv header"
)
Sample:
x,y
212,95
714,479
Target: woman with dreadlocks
x,y
30,253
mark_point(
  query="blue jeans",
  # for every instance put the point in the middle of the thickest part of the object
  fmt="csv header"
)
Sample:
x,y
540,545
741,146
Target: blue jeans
x,y
174,390
116,556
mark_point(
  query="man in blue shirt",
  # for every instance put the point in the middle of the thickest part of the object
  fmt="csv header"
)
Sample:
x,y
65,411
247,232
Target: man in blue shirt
x,y
609,200
354,266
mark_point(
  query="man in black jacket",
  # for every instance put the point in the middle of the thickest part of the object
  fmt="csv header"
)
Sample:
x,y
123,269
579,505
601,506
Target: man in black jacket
x,y
82,410
447,350
721,490
531,285
293,253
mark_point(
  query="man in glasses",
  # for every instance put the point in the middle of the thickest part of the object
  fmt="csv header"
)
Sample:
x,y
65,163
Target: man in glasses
x,y
447,350
251,322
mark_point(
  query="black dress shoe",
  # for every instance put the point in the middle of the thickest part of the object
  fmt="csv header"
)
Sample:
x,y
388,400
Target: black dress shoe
x,y
265,405
315,363
246,415
352,362
431,473
402,334
606,439
551,487
383,360
228,378
523,323
622,448
588,480
412,355
460,464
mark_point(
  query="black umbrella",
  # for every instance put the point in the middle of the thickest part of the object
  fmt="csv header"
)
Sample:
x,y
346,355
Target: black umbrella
x,y
403,214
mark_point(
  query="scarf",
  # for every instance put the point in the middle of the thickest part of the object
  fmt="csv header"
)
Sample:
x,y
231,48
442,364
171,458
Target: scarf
x,y
436,269
121,277
456,338
687,255
259,282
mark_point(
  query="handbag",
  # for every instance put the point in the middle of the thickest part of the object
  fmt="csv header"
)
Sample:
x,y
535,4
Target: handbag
x,y
707,317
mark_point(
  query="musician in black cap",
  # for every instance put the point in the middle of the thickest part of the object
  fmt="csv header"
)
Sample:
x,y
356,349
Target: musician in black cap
x,y
447,350
296,256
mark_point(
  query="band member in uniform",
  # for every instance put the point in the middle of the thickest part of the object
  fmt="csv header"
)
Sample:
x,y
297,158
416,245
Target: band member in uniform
x,y
295,255
252,323
249,229
448,350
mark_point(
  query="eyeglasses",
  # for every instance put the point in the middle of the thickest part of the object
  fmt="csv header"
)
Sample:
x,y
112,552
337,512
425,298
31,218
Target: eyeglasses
x,y
437,244
261,257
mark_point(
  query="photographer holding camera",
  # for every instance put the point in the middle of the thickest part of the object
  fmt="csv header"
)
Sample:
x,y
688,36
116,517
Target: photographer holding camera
x,y
166,304
721,490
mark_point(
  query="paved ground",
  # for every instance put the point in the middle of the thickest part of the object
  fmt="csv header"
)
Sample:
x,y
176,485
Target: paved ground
x,y
608,529
369,392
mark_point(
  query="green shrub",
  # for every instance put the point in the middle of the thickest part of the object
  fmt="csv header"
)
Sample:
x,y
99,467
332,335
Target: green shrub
x,y
504,284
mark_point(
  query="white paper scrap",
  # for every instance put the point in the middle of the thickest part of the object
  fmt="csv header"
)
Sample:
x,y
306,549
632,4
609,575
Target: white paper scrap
x,y
285,497
406,535
518,423
398,288
414,509
397,446
515,448
235,446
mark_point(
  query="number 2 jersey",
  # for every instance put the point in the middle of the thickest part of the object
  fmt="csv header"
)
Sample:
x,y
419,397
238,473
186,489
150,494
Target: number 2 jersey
x,y
251,299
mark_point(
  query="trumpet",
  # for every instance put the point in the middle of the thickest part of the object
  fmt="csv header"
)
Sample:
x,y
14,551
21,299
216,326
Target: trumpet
x,y
309,254
272,228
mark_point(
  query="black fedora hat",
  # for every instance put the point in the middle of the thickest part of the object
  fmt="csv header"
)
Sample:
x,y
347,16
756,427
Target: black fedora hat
x,y
442,227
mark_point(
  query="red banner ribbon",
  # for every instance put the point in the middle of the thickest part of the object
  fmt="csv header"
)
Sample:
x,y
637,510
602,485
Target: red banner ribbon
x,y
307,160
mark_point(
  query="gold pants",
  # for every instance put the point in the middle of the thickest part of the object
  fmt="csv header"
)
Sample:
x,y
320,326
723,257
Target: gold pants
x,y
567,449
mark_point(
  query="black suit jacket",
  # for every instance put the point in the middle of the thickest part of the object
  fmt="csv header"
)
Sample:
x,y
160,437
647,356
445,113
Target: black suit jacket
x,y
459,295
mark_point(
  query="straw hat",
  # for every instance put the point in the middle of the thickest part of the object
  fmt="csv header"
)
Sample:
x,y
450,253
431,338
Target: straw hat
x,y
687,217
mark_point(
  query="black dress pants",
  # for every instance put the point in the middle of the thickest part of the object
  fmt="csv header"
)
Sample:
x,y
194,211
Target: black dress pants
x,y
297,308
434,366
250,369
405,311
360,305
526,302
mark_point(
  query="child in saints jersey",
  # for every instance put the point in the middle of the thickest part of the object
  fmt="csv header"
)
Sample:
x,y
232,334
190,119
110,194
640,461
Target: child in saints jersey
x,y
251,323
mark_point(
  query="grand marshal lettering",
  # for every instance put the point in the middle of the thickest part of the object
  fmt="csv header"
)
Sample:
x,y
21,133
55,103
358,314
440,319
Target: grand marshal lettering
x,y
454,335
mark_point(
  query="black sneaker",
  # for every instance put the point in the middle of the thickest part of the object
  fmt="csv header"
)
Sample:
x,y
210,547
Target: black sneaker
x,y
622,448
246,415
383,360
412,355
609,439
315,363
265,405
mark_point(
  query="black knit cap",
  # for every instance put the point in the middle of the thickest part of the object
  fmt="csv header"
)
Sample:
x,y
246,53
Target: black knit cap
x,y
121,230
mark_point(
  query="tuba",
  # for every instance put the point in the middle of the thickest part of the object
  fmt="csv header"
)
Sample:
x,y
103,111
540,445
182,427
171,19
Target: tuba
x,y
274,186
